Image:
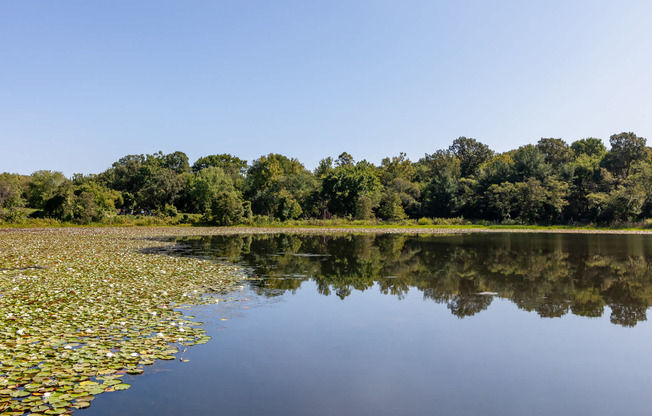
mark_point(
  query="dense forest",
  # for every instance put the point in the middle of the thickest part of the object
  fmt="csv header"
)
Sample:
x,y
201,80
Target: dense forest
x,y
551,182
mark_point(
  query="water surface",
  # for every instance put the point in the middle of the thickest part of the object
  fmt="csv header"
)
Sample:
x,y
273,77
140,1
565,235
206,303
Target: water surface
x,y
479,324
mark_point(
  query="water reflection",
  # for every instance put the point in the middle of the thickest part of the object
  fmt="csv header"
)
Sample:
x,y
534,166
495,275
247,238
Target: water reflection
x,y
549,274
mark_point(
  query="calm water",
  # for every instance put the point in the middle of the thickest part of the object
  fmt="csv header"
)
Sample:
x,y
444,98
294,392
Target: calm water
x,y
479,324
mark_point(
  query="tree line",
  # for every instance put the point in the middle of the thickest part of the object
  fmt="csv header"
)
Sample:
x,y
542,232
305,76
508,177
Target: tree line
x,y
550,182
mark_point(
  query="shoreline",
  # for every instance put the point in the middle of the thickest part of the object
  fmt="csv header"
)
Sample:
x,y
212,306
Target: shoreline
x,y
175,231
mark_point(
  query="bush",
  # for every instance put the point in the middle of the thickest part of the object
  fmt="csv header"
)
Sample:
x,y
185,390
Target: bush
x,y
170,211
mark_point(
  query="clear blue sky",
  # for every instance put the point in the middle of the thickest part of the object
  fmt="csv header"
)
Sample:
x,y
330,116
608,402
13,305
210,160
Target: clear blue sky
x,y
84,83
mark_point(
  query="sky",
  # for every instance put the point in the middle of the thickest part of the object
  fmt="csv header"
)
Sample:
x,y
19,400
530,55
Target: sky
x,y
83,84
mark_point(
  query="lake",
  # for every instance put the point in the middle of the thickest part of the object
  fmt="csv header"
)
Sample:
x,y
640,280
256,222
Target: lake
x,y
473,324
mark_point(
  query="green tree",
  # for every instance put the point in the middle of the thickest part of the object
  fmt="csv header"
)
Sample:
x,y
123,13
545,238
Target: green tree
x,y
555,152
529,162
391,207
409,193
159,186
204,188
269,181
287,208
11,190
626,148
325,166
227,209
231,165
627,199
591,147
396,167
441,194
44,185
344,159
176,161
364,208
346,183
501,200
471,154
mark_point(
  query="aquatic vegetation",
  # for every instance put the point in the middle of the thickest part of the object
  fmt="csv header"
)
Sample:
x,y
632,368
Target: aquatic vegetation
x,y
82,307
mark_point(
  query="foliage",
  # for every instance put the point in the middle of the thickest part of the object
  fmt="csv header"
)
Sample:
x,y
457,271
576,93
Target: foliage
x,y
547,183
344,185
471,154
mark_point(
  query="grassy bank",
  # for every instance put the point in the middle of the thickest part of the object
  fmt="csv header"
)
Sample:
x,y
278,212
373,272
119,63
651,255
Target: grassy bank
x,y
194,220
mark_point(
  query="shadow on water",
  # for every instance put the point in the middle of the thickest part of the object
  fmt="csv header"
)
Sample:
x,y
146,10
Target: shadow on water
x,y
551,274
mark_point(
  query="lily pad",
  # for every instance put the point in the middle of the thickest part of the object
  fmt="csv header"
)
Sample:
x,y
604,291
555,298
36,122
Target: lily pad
x,y
96,304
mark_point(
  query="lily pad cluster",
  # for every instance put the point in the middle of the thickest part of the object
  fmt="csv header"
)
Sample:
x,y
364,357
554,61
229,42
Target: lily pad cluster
x,y
82,307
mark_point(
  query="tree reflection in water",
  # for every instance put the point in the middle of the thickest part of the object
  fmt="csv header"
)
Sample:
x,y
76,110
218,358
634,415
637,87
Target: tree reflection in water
x,y
552,274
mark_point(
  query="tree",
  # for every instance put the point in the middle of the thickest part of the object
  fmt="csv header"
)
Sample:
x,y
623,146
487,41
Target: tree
x,y
584,179
11,191
471,153
92,201
176,161
626,148
441,198
325,166
409,194
391,208
231,165
346,183
272,179
204,188
501,200
11,197
265,171
626,200
555,152
396,167
227,209
364,208
43,185
529,162
287,208
159,186
344,159
590,147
